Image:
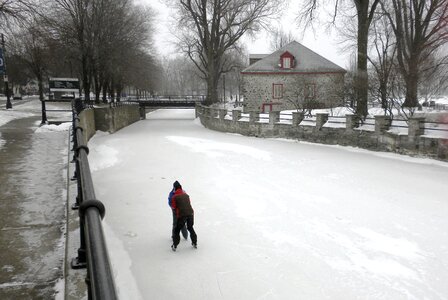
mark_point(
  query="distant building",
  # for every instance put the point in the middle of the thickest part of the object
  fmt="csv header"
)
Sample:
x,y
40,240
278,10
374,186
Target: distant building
x,y
253,58
290,78
32,87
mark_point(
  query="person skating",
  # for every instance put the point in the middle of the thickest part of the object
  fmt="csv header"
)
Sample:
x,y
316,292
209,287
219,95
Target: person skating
x,y
180,202
184,228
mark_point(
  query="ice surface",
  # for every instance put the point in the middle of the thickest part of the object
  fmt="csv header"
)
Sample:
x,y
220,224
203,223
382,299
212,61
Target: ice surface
x,y
275,219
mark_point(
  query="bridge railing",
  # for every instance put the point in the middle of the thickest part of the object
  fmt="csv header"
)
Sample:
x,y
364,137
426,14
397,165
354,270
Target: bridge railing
x,y
92,252
199,98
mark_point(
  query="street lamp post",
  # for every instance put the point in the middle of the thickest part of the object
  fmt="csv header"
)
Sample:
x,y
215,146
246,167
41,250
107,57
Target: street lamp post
x,y
3,64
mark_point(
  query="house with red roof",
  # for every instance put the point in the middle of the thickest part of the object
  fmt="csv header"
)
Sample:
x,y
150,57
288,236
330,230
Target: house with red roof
x,y
293,77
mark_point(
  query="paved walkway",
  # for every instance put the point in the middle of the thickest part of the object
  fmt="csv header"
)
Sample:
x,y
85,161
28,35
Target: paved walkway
x,y
34,193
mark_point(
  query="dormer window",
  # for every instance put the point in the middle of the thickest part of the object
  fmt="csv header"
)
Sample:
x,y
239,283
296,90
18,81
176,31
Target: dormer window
x,y
286,60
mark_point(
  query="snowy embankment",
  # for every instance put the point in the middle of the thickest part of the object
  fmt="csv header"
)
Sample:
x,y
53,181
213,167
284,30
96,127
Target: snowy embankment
x,y
7,115
275,219
29,109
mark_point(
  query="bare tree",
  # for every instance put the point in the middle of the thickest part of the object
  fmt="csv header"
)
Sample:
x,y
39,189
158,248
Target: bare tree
x,y
300,97
397,92
382,60
72,20
107,37
280,38
144,73
420,27
301,92
35,54
30,44
181,77
133,41
434,77
17,68
121,45
365,10
212,28
14,10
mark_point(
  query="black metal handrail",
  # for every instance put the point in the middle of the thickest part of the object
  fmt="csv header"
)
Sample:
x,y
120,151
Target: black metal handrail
x,y
285,117
335,120
93,251
263,116
435,128
367,121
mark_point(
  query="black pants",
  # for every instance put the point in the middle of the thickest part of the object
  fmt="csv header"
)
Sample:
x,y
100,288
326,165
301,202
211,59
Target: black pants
x,y
183,230
181,223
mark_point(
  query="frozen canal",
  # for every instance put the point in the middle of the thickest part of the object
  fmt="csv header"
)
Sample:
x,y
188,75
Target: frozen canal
x,y
275,219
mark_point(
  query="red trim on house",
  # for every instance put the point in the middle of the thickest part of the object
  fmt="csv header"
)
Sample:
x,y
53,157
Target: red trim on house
x,y
273,90
314,91
270,104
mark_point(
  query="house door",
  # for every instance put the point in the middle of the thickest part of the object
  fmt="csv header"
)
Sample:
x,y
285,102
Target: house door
x,y
264,105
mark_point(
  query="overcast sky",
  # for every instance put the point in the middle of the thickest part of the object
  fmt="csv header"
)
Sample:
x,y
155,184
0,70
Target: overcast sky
x,y
320,41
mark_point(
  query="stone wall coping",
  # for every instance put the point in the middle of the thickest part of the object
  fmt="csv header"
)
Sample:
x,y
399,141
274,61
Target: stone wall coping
x,y
369,136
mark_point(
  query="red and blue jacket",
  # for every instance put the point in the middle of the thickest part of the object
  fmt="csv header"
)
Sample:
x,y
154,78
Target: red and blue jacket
x,y
180,202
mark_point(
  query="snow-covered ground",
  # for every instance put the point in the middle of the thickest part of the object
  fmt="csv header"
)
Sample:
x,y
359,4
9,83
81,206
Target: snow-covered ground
x,y
275,219
32,107
10,114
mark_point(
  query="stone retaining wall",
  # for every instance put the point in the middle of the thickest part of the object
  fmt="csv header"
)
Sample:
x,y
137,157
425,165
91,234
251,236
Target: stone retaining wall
x,y
115,118
108,119
379,139
87,122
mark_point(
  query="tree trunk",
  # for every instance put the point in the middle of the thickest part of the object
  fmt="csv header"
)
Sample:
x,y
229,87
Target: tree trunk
x,y
411,99
85,79
118,88
361,80
111,91
40,85
212,90
105,87
97,83
212,80
383,94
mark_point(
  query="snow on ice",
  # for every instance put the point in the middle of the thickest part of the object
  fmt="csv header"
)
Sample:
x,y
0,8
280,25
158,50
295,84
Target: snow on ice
x,y
275,219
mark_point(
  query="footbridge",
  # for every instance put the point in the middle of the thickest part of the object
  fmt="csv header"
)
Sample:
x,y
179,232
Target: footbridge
x,y
168,101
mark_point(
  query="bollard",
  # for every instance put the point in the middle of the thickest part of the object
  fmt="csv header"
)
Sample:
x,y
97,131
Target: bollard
x,y
415,127
196,111
382,124
351,122
236,115
222,113
274,117
297,118
321,119
142,111
253,117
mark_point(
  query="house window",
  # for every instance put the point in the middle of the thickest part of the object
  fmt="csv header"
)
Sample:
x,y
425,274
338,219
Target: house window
x,y
310,91
286,63
277,91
